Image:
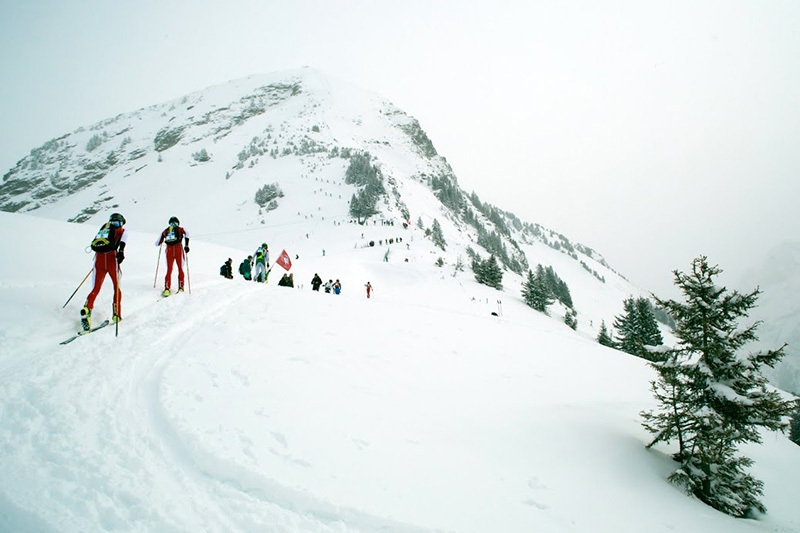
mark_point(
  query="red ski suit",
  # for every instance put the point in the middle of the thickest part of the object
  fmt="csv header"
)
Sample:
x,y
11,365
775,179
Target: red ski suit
x,y
174,255
106,263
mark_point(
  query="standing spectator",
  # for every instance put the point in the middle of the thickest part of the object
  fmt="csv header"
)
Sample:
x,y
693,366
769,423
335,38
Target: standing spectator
x,y
226,270
369,288
261,257
328,286
337,287
316,282
244,268
109,248
173,237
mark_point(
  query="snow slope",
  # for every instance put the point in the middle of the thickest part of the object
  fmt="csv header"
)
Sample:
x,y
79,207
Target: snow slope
x,y
243,407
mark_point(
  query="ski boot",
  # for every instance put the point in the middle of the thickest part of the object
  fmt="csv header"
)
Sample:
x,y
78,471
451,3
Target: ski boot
x,y
86,319
166,293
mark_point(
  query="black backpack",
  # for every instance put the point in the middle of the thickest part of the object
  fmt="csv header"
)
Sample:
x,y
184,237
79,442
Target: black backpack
x,y
173,235
105,241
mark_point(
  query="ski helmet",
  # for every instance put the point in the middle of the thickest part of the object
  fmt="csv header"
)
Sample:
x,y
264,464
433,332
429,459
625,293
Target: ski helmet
x,y
174,220
118,218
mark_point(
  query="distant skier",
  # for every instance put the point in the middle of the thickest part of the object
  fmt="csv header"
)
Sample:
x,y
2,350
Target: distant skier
x,y
316,282
261,257
173,236
329,286
244,268
369,288
109,248
337,287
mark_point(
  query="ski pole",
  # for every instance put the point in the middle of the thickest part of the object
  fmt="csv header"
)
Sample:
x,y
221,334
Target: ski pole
x,y
157,264
188,274
117,296
79,288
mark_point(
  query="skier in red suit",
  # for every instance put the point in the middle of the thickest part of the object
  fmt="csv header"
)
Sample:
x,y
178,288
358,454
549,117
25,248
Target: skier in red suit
x,y
173,237
109,247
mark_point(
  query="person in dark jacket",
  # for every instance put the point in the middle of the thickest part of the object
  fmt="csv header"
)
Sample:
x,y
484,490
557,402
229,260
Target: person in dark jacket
x,y
244,268
226,270
316,282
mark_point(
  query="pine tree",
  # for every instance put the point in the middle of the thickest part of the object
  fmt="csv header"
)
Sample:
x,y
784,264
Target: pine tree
x,y
535,293
637,328
494,274
626,328
558,288
488,272
794,429
437,236
649,331
711,397
604,337
571,318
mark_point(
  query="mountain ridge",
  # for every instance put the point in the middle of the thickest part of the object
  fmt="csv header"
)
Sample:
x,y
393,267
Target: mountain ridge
x,y
284,127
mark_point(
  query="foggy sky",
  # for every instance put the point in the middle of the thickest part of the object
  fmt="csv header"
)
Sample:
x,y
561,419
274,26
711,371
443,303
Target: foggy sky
x,y
651,132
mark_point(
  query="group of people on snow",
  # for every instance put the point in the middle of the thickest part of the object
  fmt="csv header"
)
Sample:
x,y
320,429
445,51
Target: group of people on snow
x,y
287,280
329,286
109,247
254,267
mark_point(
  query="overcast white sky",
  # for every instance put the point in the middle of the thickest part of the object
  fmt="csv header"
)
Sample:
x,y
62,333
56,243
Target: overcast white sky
x,y
652,132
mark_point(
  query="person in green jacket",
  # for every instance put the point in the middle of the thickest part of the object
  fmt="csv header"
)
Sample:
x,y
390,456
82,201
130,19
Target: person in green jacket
x,y
244,268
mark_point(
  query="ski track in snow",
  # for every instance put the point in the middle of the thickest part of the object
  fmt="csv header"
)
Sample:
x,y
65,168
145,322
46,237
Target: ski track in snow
x,y
244,407
139,443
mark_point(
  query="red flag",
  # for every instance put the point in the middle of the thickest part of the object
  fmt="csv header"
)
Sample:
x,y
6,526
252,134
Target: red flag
x,y
284,261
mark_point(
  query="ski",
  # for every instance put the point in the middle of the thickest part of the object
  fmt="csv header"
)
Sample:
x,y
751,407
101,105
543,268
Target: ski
x,y
82,333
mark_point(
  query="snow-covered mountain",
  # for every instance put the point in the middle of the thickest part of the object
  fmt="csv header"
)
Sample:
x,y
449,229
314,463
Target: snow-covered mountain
x,y
247,407
211,151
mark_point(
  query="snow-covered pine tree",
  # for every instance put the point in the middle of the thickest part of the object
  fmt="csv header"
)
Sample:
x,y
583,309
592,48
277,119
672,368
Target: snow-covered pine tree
x,y
437,236
626,329
637,328
651,334
604,337
488,272
571,318
494,274
711,396
558,287
535,293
